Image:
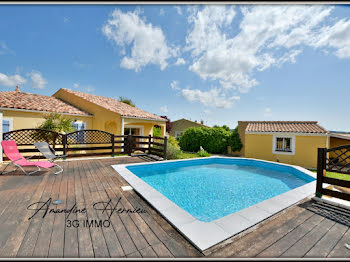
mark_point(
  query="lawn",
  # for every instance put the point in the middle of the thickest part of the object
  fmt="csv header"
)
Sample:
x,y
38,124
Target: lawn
x,y
337,175
185,155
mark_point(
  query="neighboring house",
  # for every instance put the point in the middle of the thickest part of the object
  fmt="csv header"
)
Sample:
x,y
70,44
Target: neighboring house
x,y
19,110
179,126
291,142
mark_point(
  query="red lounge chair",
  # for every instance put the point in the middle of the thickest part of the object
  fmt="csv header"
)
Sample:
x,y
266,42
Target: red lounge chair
x,y
11,151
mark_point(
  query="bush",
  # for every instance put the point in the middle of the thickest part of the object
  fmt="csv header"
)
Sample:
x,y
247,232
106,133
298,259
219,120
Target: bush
x,y
173,152
202,153
213,139
157,131
234,140
172,140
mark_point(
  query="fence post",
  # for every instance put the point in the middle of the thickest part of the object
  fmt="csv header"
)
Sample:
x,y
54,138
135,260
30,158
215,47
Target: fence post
x,y
129,147
165,146
321,165
113,138
149,143
64,142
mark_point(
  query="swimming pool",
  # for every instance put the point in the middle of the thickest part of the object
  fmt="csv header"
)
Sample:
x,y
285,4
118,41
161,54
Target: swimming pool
x,y
221,195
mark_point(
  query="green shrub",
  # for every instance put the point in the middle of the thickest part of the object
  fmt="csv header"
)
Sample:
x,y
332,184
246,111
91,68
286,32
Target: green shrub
x,y
203,153
214,140
173,152
157,131
234,141
172,140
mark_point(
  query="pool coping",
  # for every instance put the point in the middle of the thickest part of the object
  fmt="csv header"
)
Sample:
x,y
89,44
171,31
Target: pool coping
x,y
205,235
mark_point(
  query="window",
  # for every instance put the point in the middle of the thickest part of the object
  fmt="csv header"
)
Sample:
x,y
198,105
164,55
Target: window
x,y
7,125
179,133
283,144
78,125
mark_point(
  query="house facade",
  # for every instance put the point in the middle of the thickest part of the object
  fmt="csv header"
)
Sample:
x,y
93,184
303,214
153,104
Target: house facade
x,y
290,142
20,110
179,126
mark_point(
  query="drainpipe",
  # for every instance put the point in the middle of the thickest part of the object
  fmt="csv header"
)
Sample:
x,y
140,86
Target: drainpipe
x,y
122,132
0,136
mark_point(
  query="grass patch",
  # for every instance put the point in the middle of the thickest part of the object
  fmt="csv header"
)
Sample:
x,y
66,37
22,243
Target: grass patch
x,y
185,155
336,175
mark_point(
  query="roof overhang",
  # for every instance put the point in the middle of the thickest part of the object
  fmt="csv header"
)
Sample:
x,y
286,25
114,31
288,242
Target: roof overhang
x,y
340,136
38,111
286,133
142,118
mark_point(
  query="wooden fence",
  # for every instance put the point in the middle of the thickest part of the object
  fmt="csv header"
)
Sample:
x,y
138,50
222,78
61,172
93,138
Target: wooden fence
x,y
86,143
336,160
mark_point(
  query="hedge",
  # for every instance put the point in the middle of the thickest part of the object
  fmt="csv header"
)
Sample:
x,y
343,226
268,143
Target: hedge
x,y
213,139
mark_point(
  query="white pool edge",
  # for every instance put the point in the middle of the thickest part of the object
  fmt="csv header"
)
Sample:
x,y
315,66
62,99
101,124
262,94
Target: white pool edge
x,y
205,235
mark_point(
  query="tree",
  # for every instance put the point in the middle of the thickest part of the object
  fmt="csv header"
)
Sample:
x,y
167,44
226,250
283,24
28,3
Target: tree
x,y
126,101
234,140
169,125
53,122
58,123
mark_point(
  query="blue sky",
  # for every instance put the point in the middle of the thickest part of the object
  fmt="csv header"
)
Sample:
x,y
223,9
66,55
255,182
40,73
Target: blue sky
x,y
217,63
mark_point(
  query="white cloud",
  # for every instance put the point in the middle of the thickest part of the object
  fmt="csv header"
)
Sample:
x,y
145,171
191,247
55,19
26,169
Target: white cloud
x,y
266,36
180,61
164,109
267,112
148,43
212,98
65,19
38,81
178,10
336,37
7,80
175,85
76,85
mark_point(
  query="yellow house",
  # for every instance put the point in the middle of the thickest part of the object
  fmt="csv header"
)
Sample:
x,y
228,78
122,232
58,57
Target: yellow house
x,y
179,126
20,110
291,142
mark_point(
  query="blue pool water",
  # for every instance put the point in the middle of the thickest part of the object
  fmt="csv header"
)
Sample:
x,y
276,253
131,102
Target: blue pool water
x,y
212,188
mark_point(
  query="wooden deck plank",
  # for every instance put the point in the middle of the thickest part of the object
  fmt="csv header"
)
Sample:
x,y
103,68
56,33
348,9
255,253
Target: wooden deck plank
x,y
161,251
43,242
340,251
328,242
71,247
85,244
34,191
29,242
97,236
253,243
279,247
57,237
112,241
137,237
113,191
300,248
148,252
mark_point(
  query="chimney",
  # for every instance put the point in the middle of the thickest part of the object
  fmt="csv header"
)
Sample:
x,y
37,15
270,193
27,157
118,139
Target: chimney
x,y
202,122
17,89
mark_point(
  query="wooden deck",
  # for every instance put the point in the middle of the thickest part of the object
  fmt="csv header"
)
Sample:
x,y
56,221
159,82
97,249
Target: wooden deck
x,y
297,232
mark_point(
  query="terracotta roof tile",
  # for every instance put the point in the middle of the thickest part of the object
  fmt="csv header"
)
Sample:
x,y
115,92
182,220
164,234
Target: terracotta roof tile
x,y
285,126
27,101
114,105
